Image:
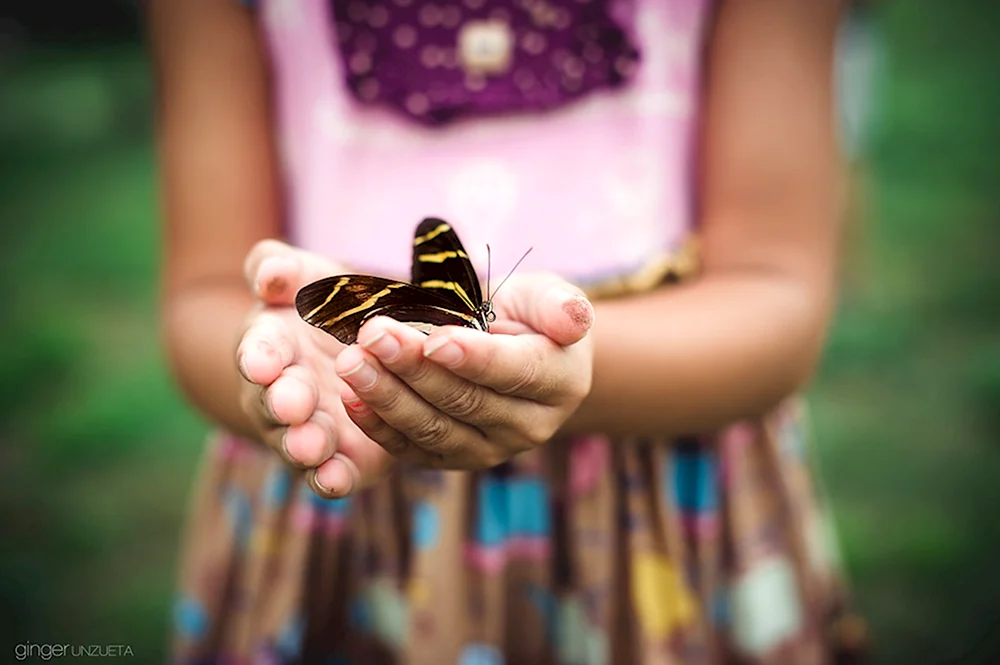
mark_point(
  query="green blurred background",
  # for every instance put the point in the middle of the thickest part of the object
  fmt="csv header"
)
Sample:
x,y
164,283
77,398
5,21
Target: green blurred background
x,y
97,449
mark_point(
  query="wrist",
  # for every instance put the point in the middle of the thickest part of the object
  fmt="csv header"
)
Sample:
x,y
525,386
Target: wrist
x,y
199,326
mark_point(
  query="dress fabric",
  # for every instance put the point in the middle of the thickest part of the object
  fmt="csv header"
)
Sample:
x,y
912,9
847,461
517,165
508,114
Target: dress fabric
x,y
591,550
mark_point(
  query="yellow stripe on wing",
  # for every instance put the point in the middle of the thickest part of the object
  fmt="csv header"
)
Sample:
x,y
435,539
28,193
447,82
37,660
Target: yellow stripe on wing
x,y
336,289
454,287
368,304
450,312
441,257
443,227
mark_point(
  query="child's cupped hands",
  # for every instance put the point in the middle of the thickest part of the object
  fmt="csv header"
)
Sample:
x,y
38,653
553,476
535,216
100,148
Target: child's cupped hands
x,y
456,399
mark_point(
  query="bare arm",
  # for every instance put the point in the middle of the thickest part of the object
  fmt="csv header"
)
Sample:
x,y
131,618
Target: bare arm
x,y
749,332
219,189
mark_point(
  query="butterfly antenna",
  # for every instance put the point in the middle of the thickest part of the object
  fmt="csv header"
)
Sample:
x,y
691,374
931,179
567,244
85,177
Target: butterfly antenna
x,y
512,270
489,269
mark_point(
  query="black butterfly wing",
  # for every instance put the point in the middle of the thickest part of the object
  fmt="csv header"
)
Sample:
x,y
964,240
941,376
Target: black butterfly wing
x,y
339,305
426,318
441,265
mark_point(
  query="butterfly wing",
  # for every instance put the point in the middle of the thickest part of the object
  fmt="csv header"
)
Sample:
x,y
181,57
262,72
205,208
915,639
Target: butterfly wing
x,y
441,265
426,318
445,291
341,304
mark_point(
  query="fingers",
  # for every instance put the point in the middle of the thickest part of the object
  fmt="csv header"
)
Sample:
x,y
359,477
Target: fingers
x,y
267,347
285,414
338,460
405,424
445,452
527,366
310,444
293,396
357,464
549,305
287,408
276,271
281,397
337,477
402,351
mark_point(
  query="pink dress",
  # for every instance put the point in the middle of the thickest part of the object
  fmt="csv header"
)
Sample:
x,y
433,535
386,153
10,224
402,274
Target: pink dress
x,y
590,551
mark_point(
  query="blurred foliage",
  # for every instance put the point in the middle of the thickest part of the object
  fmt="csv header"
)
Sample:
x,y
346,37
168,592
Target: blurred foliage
x,y
907,405
99,450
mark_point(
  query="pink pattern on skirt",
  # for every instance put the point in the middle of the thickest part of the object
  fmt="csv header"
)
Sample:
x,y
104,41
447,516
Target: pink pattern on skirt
x,y
493,559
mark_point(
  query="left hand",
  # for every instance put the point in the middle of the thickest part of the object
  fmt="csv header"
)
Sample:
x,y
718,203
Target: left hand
x,y
463,399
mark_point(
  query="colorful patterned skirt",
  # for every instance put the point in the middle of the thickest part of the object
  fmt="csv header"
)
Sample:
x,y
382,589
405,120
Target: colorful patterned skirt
x,y
591,551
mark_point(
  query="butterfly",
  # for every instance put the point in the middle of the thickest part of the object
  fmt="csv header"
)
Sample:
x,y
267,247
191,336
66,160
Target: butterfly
x,y
445,291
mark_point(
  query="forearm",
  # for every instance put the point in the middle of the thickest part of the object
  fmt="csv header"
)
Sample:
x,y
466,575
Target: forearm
x,y
220,188
201,327
692,358
748,333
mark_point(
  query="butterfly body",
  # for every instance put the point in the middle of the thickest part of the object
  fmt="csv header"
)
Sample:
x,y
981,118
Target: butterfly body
x,y
445,291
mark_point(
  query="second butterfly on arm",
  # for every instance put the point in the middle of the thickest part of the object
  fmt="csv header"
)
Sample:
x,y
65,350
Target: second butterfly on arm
x,y
445,291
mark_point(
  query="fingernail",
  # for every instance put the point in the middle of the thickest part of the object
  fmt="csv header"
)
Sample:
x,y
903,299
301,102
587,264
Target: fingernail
x,y
242,364
351,474
284,447
352,471
384,346
444,351
358,406
270,410
322,488
266,348
276,284
579,310
362,377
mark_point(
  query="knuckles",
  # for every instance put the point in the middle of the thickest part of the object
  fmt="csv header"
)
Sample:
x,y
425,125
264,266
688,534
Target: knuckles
x,y
388,401
526,376
465,401
434,434
413,370
537,432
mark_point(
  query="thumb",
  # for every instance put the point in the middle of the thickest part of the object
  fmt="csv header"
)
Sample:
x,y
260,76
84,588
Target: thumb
x,y
276,271
549,305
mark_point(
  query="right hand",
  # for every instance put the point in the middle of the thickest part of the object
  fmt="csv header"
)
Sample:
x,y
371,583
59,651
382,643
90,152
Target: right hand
x,y
290,389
